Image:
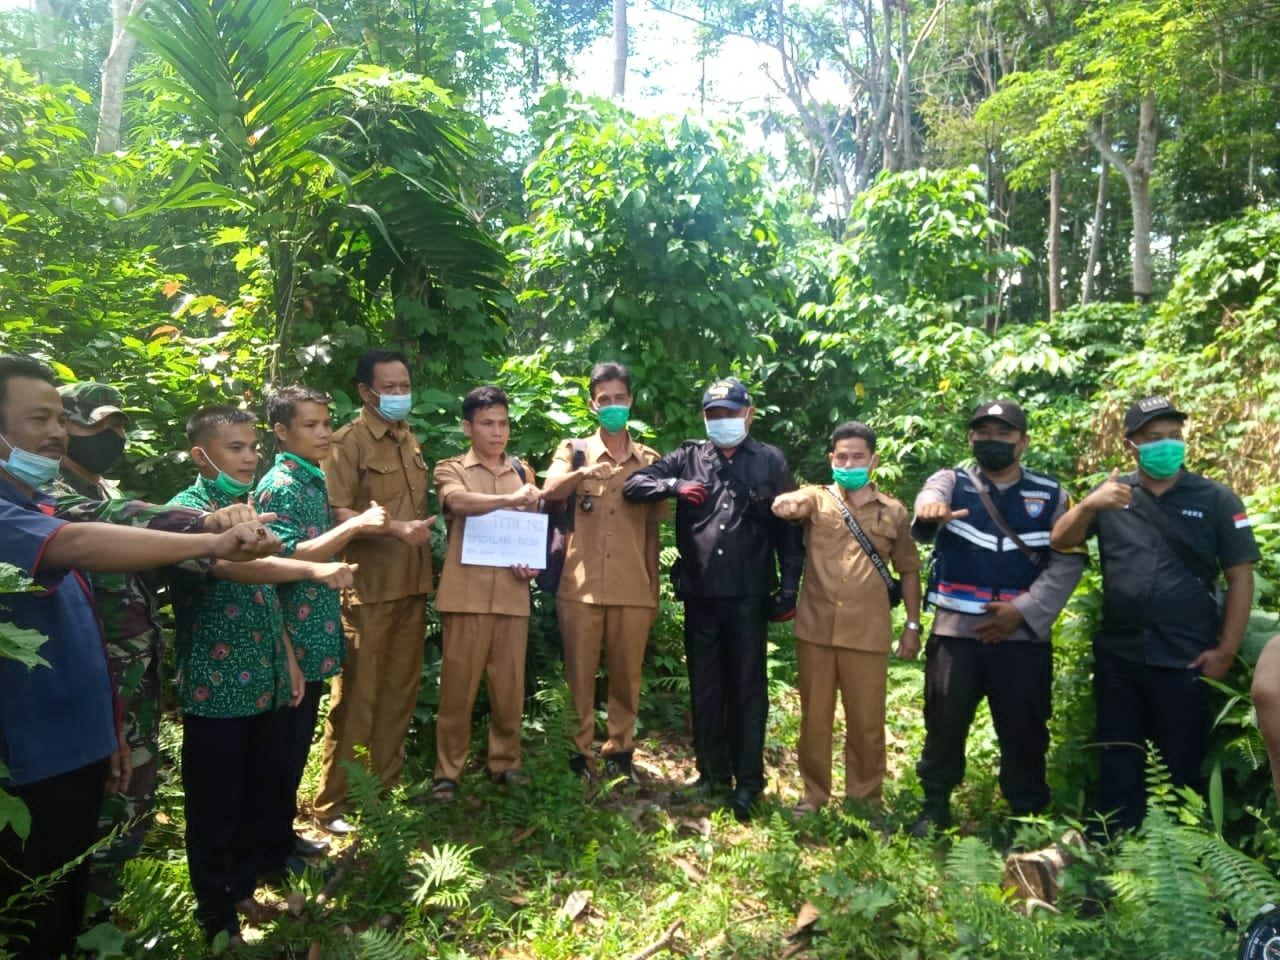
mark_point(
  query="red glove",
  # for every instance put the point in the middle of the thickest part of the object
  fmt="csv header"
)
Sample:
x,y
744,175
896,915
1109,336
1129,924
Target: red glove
x,y
782,606
694,493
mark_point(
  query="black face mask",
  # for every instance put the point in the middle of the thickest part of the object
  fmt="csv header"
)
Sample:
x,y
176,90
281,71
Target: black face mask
x,y
98,452
993,455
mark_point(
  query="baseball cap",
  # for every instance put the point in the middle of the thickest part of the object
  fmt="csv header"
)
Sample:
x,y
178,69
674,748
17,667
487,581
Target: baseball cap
x,y
728,393
88,403
1006,411
1148,409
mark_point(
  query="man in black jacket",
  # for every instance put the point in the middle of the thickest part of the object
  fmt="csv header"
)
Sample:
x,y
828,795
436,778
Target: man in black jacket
x,y
731,546
1165,536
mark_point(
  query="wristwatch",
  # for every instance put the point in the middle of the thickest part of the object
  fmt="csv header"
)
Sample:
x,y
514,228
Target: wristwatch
x,y
912,625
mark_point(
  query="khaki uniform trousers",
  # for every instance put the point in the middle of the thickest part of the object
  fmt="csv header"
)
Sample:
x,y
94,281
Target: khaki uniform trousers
x,y
860,677
624,631
475,645
373,699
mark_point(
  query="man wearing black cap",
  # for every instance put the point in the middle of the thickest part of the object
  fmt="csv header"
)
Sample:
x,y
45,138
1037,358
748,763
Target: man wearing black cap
x,y
731,546
1164,534
997,588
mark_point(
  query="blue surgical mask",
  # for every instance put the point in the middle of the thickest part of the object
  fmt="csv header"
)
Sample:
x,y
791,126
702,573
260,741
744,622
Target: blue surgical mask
x,y
393,406
225,481
728,432
31,468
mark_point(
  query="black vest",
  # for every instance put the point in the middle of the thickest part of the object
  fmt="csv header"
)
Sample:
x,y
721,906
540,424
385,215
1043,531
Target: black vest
x,y
974,562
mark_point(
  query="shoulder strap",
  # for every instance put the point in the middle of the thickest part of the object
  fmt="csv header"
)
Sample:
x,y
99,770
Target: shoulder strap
x,y
518,467
579,456
998,518
862,539
1144,504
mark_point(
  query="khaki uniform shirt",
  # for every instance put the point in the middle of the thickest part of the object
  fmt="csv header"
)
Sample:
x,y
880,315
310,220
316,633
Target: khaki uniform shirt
x,y
476,589
367,462
604,560
843,599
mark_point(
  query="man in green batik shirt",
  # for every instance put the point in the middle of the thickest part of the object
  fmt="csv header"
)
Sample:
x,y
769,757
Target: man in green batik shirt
x,y
126,604
236,673
295,491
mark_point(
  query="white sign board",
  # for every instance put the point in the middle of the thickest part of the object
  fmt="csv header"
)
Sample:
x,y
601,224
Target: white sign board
x,y
505,538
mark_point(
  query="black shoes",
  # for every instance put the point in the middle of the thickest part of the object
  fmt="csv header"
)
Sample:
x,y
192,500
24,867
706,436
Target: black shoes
x,y
742,803
618,765
703,791
934,818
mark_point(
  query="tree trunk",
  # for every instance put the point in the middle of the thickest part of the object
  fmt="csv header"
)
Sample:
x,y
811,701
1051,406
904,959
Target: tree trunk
x,y
906,154
1055,242
619,49
1138,177
1095,232
115,74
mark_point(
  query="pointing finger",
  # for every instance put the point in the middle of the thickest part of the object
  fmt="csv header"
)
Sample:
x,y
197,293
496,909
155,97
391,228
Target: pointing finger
x,y
960,514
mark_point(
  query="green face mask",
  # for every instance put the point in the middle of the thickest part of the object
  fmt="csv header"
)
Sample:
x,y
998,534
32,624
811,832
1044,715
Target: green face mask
x,y
1161,459
614,418
853,478
225,481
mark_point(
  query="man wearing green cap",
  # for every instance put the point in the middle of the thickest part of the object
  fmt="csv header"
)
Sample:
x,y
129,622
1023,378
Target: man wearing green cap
x,y
608,591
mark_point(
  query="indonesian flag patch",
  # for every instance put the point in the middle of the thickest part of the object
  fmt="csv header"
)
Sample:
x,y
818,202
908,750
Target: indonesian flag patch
x,y
1242,520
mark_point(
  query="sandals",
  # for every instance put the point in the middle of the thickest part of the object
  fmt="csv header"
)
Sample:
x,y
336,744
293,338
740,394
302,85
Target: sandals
x,y
444,790
511,777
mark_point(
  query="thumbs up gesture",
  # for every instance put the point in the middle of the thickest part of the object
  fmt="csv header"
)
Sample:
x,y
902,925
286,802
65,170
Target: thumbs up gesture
x,y
1111,494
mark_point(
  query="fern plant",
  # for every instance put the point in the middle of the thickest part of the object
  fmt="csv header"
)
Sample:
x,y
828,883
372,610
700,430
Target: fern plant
x,y
1181,888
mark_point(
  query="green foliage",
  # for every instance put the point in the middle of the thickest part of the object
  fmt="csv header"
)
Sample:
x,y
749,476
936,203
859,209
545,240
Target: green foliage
x,y
654,242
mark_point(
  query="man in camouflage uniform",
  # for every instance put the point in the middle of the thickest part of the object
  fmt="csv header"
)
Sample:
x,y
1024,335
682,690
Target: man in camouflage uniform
x,y
126,603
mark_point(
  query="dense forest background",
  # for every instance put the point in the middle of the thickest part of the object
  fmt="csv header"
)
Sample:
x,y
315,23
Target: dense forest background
x,y
1070,202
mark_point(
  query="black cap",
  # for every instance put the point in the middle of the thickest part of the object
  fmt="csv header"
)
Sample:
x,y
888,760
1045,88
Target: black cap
x,y
1006,411
1148,409
728,393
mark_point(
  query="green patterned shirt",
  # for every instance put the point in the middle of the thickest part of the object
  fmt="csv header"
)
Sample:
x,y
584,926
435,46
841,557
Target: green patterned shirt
x,y
295,491
230,637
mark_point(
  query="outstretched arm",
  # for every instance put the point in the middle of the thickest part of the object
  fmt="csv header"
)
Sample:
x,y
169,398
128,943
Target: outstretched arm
x,y
108,548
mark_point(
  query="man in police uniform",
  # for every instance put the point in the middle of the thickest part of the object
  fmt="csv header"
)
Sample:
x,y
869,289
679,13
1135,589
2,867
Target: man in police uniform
x,y
996,599
731,546
1164,536
609,587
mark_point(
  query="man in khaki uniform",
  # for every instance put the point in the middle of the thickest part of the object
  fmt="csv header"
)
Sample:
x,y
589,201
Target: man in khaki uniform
x,y
843,623
609,588
484,610
375,460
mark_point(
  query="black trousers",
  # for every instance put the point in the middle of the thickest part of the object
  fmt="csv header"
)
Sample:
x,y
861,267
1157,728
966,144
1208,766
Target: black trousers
x,y
300,730
1017,680
1136,704
235,788
64,823
724,647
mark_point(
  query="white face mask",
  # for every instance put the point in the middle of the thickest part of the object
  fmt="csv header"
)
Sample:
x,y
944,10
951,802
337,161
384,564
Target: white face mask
x,y
728,432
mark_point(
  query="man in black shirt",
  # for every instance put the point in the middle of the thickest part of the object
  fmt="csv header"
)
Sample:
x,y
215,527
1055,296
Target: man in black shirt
x,y
730,545
1164,534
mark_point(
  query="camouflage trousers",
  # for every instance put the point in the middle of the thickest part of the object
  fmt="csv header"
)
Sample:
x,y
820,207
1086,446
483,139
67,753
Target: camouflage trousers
x,y
135,664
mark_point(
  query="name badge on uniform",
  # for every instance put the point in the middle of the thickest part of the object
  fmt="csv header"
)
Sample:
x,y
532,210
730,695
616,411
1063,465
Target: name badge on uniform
x,y
1034,502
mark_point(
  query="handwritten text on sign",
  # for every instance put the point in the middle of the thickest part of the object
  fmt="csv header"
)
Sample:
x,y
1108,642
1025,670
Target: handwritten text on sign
x,y
505,537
